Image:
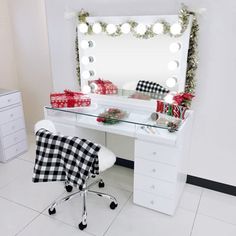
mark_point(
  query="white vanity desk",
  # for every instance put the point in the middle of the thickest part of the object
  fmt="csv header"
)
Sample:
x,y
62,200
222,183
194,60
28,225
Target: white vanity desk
x,y
160,158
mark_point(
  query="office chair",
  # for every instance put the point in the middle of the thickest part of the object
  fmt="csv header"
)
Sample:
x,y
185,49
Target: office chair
x,y
106,160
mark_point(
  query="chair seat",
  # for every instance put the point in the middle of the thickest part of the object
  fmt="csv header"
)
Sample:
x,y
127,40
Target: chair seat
x,y
106,159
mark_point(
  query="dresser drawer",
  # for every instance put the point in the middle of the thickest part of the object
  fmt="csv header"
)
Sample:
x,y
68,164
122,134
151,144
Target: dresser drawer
x,y
15,150
10,99
12,139
155,170
154,202
12,126
156,152
11,114
154,186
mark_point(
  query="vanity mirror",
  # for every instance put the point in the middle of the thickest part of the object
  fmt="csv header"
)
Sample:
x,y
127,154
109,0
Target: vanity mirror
x,y
144,53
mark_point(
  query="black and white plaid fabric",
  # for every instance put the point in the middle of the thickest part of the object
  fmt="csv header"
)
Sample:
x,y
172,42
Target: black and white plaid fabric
x,y
151,88
64,158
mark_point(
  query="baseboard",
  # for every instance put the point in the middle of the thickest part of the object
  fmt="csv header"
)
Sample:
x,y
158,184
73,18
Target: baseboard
x,y
205,183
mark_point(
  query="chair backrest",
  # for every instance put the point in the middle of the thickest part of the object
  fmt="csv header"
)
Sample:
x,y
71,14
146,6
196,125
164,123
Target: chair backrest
x,y
44,124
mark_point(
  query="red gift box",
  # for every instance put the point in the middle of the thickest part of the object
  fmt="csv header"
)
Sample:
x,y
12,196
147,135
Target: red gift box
x,y
69,99
100,86
171,109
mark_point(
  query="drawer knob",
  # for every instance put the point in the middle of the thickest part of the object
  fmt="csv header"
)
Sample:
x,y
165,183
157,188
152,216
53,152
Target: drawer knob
x,y
16,149
154,170
152,202
11,115
9,100
154,153
153,186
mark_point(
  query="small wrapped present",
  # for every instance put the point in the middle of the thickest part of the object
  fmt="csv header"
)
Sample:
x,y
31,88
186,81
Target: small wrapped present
x,y
100,86
69,99
171,109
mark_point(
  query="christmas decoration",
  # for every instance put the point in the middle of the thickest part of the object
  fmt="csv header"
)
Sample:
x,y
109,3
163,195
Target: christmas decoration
x,y
111,116
69,99
183,99
171,109
100,86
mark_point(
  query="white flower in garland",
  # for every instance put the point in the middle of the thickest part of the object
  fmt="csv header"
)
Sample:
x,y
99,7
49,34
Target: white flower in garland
x,y
158,28
125,28
111,28
97,28
141,29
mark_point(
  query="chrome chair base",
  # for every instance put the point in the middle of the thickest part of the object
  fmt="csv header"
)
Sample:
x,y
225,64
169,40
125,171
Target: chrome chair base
x,y
83,193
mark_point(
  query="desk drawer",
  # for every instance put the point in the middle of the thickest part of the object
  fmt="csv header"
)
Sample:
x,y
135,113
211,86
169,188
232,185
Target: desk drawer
x,y
12,127
154,186
156,152
10,99
154,202
15,150
11,114
155,170
13,138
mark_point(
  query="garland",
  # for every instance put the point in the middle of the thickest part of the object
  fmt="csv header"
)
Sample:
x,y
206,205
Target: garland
x,y
192,59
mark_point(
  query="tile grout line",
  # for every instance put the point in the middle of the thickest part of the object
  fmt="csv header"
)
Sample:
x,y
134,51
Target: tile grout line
x,y
131,193
196,212
21,230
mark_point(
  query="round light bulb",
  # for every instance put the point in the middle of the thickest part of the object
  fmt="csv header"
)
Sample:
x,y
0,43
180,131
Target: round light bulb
x,y
171,82
175,47
173,65
111,28
86,89
86,74
84,44
176,28
141,29
86,60
158,28
169,98
97,28
125,28
83,28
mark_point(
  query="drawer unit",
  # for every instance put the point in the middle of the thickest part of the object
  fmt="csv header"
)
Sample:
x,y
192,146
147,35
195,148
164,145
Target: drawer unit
x,y
154,186
10,99
156,152
12,127
13,139
11,114
155,170
15,150
154,202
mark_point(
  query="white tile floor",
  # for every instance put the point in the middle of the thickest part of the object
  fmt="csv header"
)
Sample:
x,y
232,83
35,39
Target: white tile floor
x,y
23,208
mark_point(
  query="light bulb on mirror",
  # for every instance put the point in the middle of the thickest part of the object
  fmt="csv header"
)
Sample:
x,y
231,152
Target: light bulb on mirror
x,y
176,28
87,74
86,89
141,29
87,44
97,28
83,28
125,28
169,98
171,82
86,60
111,28
173,65
158,28
175,47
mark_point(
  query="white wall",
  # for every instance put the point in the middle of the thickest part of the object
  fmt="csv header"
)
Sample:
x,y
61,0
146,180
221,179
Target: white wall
x,y
8,73
32,55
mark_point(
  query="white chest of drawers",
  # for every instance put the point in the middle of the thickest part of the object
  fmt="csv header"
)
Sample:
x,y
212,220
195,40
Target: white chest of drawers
x,y
13,141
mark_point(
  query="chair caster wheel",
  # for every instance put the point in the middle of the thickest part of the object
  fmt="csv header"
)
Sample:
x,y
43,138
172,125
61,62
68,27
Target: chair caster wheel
x,y
101,184
113,205
52,212
68,188
82,226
